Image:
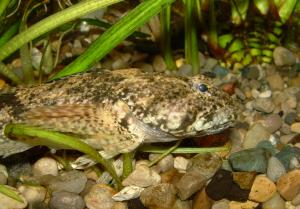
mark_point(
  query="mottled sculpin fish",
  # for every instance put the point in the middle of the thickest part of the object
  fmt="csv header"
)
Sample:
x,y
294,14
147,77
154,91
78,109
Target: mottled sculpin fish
x,y
116,111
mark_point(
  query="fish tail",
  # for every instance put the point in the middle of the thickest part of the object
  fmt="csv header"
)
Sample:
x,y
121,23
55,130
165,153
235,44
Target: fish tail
x,y
9,147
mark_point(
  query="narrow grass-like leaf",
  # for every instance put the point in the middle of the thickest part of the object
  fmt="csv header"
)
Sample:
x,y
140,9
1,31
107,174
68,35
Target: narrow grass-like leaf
x,y
183,150
10,193
8,73
51,22
127,164
3,6
113,36
36,136
10,32
165,19
190,33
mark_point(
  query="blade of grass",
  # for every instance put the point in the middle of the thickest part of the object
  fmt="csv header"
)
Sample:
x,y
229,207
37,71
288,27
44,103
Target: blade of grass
x,y
36,136
10,193
127,164
3,6
190,33
182,150
165,19
10,32
51,22
113,36
8,73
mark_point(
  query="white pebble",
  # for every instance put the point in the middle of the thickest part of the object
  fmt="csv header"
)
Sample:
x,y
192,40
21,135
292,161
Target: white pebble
x,y
45,166
180,163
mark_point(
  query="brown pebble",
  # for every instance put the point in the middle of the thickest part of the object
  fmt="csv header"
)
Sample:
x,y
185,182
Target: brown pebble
x,y
244,179
295,127
262,189
201,200
288,185
242,205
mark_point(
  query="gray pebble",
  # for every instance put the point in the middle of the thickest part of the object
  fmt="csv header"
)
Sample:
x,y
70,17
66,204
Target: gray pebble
x,y
275,169
165,192
265,105
221,204
190,183
272,122
276,202
296,199
283,56
71,181
290,118
66,200
254,159
205,163
255,134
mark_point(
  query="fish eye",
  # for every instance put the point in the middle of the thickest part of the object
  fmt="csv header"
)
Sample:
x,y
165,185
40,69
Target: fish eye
x,y
202,87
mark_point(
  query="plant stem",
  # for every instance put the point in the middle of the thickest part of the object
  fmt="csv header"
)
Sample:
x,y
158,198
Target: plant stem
x,y
191,43
3,5
51,22
113,36
36,136
183,150
165,17
127,164
8,73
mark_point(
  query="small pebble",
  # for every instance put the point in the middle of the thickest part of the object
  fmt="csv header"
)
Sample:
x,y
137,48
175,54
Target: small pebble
x,y
275,169
71,181
221,204
242,205
161,196
288,185
222,186
201,200
142,176
66,200
179,204
45,166
290,118
205,163
286,154
295,127
244,179
128,193
185,70
296,200
180,163
276,202
164,164
33,194
262,189
275,82
283,57
265,105
159,64
100,197
190,183
254,135
254,159
272,122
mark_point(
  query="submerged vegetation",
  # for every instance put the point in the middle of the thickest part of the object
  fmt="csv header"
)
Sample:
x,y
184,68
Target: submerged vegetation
x,y
237,32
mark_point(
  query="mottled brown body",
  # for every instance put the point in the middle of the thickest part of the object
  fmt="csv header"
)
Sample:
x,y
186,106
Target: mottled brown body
x,y
116,111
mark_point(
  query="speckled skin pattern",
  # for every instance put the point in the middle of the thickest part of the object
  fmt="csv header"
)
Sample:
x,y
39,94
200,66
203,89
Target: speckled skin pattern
x,y
116,111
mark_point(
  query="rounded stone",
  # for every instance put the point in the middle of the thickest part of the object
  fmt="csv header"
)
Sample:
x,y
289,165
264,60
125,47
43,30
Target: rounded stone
x,y
295,127
100,197
162,196
288,185
283,57
71,181
262,189
255,134
221,204
272,122
205,163
66,200
265,105
275,81
290,118
45,166
275,169
276,202
159,64
296,199
33,194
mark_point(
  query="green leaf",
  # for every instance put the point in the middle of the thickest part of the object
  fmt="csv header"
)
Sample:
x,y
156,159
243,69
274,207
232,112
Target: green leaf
x,y
113,36
224,40
262,5
36,136
49,23
10,193
285,9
